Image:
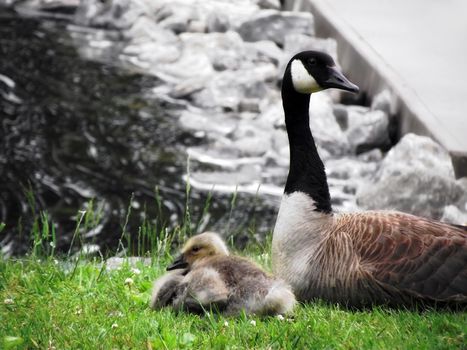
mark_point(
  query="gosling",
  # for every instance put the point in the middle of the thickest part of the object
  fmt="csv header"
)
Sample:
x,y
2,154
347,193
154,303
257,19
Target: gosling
x,y
206,277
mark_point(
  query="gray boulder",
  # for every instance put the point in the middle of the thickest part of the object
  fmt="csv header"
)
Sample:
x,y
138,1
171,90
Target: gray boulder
x,y
368,130
214,124
119,14
275,25
326,131
225,50
296,42
384,101
265,51
217,22
418,152
453,215
228,89
415,177
269,4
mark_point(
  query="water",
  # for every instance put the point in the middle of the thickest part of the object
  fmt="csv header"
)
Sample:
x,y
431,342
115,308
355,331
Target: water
x,y
73,130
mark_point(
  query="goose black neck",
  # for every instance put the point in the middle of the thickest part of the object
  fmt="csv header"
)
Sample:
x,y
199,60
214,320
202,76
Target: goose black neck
x,y
306,172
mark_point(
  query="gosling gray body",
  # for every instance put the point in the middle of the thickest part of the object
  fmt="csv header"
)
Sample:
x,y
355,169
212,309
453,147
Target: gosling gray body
x,y
212,279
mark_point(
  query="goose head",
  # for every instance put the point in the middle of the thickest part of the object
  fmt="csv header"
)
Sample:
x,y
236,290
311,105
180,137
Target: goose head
x,y
313,71
198,247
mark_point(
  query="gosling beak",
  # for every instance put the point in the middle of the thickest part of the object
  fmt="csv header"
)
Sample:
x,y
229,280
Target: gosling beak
x,y
179,263
339,81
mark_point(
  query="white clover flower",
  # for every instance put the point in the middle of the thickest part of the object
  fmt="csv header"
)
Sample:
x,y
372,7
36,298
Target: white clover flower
x,y
280,317
226,324
8,301
253,322
114,325
135,270
129,281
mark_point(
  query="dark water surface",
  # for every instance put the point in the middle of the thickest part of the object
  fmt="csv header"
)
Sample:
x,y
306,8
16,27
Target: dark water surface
x,y
73,130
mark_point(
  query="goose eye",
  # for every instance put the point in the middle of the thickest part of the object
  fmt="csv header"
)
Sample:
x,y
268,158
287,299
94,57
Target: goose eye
x,y
312,61
195,249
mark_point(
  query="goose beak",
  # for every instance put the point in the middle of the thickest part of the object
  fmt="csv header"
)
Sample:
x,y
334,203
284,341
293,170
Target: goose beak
x,y
339,81
179,263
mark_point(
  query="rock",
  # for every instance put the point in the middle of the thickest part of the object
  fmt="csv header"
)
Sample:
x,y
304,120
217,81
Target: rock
x,y
384,101
249,105
192,64
117,14
367,131
151,44
275,25
266,51
341,114
452,215
375,155
202,15
251,140
350,168
228,89
462,202
324,127
296,42
200,120
272,113
413,191
269,4
235,11
176,16
247,179
415,177
217,22
225,50
221,155
187,87
417,152
244,175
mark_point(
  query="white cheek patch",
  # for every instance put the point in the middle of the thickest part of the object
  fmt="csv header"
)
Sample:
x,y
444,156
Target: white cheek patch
x,y
302,81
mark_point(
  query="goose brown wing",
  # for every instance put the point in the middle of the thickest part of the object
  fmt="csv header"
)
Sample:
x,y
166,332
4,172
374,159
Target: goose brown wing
x,y
414,256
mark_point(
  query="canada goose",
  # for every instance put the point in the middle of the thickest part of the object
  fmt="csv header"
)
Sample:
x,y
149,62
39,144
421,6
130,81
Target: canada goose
x,y
357,259
205,276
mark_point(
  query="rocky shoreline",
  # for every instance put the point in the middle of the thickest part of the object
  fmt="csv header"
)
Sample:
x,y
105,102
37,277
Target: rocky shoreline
x,y
222,62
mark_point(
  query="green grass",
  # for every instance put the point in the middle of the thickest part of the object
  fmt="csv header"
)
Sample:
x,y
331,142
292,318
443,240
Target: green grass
x,y
45,305
76,303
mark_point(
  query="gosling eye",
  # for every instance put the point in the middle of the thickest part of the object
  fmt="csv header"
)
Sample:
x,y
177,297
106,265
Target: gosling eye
x,y
196,249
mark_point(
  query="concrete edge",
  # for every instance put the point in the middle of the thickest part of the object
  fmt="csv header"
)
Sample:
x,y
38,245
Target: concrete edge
x,y
368,69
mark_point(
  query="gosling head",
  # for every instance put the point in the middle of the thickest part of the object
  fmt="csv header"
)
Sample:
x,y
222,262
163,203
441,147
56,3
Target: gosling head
x,y
313,71
198,247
